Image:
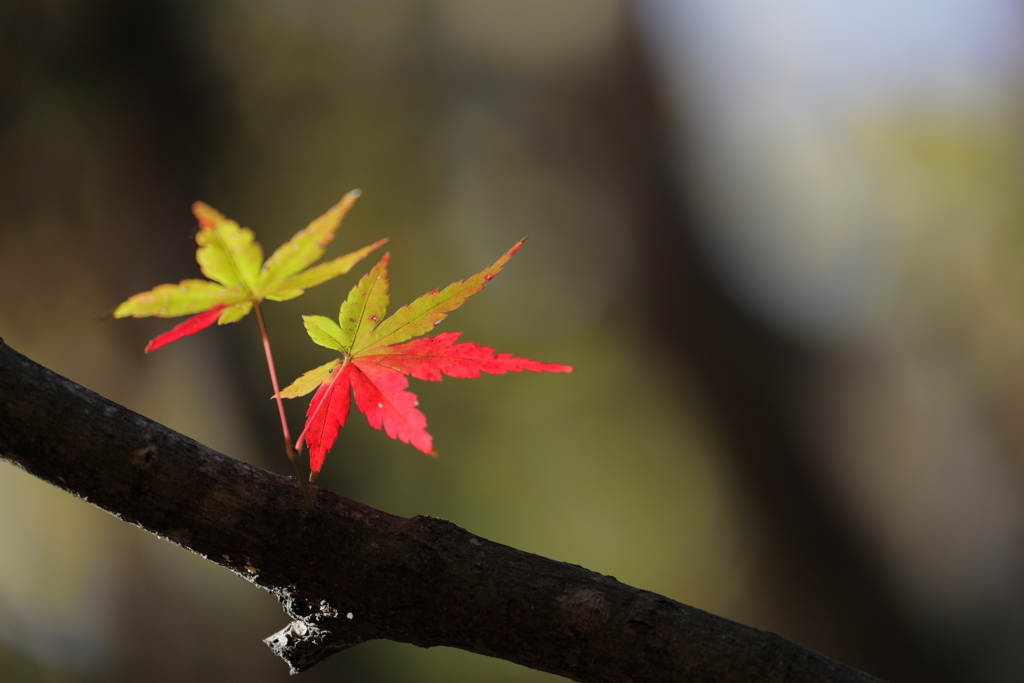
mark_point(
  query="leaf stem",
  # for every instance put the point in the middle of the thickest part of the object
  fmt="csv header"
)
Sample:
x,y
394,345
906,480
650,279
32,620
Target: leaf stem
x,y
289,451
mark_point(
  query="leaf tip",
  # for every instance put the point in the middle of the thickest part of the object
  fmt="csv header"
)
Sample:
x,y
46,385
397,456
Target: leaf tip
x,y
312,476
205,214
156,343
342,207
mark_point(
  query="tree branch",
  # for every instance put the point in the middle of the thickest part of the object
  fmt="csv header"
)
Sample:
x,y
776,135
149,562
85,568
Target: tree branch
x,y
349,573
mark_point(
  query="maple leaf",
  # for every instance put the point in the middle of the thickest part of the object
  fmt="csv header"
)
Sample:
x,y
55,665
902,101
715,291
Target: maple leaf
x,y
376,356
239,279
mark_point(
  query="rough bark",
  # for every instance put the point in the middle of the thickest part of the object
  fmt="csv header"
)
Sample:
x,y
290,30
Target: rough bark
x,y
349,573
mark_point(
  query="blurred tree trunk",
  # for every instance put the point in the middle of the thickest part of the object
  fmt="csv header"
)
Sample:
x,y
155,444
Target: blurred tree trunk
x,y
106,133
818,581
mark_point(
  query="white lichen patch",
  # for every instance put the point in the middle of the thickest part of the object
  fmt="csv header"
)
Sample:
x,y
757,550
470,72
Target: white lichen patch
x,y
326,610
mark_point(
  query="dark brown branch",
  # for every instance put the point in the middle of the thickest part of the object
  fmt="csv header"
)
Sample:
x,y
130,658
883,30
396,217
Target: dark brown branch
x,y
349,573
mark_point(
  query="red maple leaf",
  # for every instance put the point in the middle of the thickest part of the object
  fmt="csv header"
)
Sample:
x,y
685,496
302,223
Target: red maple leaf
x,y
376,356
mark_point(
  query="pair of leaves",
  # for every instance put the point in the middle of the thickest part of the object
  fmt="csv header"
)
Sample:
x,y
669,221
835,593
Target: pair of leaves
x,y
232,259
376,354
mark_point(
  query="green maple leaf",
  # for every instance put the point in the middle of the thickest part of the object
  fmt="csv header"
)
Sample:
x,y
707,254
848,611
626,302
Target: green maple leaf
x,y
239,279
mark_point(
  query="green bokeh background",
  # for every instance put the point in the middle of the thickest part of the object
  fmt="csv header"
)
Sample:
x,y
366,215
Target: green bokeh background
x,y
468,125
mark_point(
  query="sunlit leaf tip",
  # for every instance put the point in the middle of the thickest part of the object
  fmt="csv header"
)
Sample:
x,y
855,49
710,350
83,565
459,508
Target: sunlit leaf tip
x,y
207,216
194,324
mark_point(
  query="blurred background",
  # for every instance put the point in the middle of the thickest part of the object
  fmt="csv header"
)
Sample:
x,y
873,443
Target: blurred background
x,y
780,242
